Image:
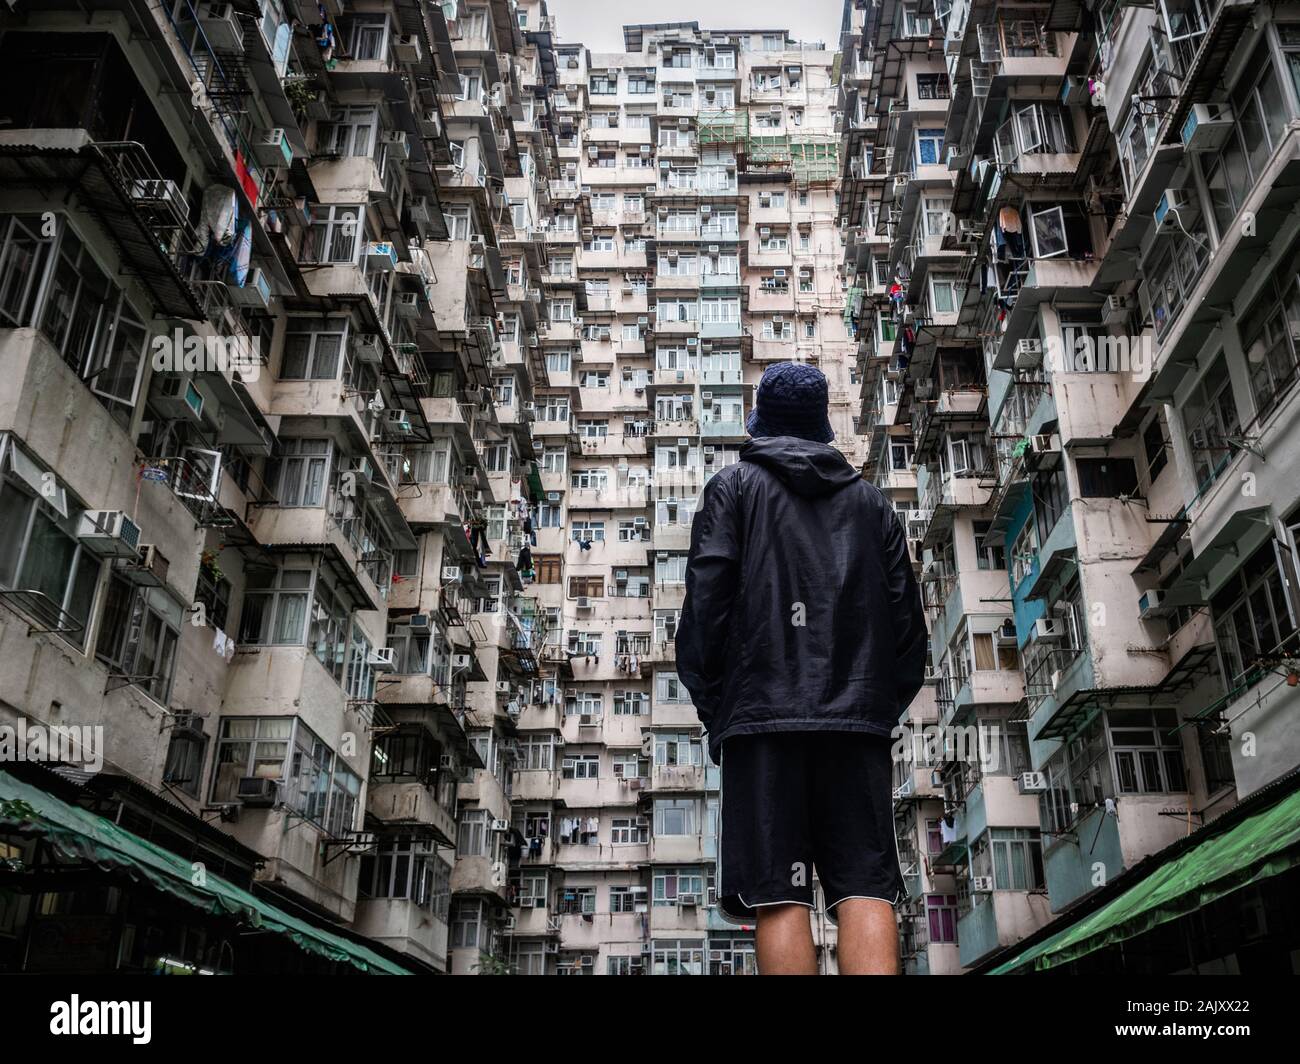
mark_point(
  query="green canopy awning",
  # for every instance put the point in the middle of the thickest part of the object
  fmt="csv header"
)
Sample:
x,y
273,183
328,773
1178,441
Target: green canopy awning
x,y
81,834
1260,846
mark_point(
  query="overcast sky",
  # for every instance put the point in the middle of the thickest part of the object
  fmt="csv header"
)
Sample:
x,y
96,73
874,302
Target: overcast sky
x,y
599,23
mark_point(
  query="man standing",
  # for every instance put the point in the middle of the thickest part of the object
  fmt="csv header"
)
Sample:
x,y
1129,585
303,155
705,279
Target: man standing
x,y
802,640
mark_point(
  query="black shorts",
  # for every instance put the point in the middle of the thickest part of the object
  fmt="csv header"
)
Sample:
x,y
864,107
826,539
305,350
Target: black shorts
x,y
795,801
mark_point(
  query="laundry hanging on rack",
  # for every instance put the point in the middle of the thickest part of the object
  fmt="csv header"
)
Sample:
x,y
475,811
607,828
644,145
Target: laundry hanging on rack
x,y
217,217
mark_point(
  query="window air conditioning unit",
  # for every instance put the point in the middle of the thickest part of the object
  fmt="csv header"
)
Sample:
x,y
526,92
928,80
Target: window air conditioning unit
x,y
151,569
368,347
430,122
272,148
1207,127
255,791
398,422
418,622
714,249
552,496
408,304
1029,353
1047,630
500,825
503,687
461,661
1152,604
397,143
583,603
1046,446
981,884
221,27
419,208
451,574
688,901
1175,210
382,659
158,192
178,398
109,533
765,231
1006,633
1032,782
406,48
447,761
1116,310
256,291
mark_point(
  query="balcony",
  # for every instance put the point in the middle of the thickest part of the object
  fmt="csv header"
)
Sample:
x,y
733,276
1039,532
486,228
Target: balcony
x,y
684,778
1001,918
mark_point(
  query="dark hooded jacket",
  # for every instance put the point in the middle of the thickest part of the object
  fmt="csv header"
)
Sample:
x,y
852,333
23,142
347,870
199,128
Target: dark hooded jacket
x,y
802,611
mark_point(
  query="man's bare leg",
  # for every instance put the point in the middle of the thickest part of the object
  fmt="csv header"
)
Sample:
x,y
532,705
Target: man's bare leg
x,y
784,942
868,937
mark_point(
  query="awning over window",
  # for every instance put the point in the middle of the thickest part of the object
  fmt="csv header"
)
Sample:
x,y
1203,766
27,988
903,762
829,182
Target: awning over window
x,y
78,833
1264,844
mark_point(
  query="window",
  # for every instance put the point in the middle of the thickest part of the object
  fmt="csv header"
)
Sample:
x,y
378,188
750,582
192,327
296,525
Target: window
x,y
334,236
345,794
1024,552
1013,856
275,607
941,914
186,752
670,884
301,472
473,839
990,556
1260,113
932,86
138,635
249,747
943,294
629,831
1266,331
1252,617
929,146
582,767
351,132
39,551
367,37
313,355
56,285
468,930
586,587
1209,421
459,219
404,867
1106,478
676,816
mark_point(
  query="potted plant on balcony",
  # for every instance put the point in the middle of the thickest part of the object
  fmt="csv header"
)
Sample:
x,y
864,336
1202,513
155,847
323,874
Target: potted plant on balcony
x,y
307,98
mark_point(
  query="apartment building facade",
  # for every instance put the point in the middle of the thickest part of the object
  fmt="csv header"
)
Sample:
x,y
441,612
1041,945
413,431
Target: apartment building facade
x,y
365,361
265,458
1068,234
691,241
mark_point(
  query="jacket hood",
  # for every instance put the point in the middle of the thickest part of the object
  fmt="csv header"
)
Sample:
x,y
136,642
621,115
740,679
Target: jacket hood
x,y
805,467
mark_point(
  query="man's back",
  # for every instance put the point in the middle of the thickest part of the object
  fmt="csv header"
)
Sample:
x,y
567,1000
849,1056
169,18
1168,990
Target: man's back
x,y
802,611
